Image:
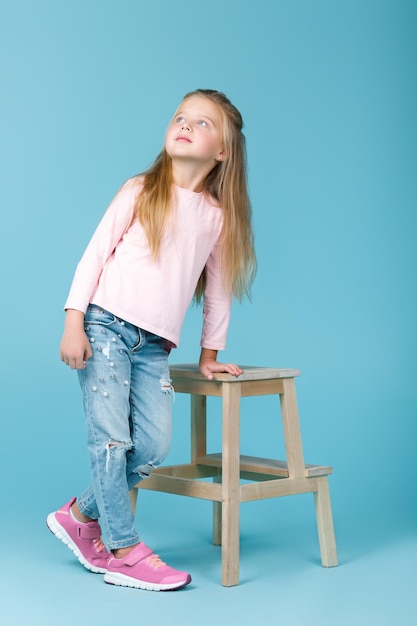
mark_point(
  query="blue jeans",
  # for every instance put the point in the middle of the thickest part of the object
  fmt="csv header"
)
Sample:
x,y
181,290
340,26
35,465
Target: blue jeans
x,y
127,396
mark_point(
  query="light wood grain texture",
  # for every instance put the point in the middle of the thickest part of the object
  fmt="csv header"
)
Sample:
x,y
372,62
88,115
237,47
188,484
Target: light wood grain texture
x,y
198,426
269,478
325,524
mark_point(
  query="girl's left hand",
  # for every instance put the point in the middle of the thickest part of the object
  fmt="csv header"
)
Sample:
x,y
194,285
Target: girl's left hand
x,y
208,367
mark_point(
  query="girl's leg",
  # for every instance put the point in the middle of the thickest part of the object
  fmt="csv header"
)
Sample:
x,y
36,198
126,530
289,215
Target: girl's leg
x,y
151,397
105,383
127,399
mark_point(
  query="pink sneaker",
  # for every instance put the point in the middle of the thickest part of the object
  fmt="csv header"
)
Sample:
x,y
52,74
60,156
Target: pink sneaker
x,y
83,539
143,569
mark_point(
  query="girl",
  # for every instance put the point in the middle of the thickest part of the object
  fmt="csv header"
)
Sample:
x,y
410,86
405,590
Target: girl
x,y
181,229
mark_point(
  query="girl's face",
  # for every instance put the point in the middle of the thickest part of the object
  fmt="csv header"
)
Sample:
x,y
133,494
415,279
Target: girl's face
x,y
196,132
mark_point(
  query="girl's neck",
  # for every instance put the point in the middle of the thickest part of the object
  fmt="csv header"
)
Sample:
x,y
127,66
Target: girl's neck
x,y
191,178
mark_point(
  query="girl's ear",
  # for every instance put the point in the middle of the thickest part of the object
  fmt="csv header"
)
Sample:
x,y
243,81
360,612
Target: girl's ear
x,y
222,156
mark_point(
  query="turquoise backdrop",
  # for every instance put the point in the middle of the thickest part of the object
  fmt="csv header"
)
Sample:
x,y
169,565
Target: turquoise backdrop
x,y
327,89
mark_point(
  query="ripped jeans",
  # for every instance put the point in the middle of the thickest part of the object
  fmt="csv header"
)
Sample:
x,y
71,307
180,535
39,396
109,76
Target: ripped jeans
x,y
127,396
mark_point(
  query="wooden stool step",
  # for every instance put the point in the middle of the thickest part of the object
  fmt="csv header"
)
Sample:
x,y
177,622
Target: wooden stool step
x,y
261,465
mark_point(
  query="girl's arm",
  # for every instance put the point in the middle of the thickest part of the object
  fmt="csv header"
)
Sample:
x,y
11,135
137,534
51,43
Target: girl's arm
x,y
107,235
216,314
209,365
75,348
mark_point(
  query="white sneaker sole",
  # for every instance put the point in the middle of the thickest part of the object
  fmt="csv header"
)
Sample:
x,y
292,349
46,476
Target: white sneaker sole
x,y
60,532
114,578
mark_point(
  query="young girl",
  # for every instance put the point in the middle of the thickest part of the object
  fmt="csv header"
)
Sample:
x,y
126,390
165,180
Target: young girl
x,y
181,229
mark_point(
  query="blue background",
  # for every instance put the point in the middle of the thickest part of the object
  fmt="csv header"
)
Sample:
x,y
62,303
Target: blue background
x,y
327,89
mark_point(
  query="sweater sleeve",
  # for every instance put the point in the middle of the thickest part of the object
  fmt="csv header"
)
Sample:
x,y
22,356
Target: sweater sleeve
x,y
109,232
217,305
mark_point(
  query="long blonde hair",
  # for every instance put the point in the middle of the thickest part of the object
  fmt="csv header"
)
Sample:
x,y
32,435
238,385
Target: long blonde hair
x,y
227,183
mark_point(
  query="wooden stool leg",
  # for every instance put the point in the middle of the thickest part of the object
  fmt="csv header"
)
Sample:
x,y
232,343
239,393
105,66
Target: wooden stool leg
x,y
217,515
292,433
198,427
325,525
231,484
133,494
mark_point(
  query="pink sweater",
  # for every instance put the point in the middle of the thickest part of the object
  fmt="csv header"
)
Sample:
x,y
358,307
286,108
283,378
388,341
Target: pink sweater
x,y
118,273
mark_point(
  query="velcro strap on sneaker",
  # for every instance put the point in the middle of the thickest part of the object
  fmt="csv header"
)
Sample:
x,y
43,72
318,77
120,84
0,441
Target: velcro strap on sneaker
x,y
138,554
88,532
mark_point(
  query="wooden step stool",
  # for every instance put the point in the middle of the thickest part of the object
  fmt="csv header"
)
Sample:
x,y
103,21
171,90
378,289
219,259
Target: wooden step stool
x,y
269,478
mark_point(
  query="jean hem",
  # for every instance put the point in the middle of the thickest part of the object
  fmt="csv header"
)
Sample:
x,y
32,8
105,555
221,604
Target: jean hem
x,y
86,511
125,543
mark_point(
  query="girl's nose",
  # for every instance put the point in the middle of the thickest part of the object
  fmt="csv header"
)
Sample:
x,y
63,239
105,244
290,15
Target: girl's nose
x,y
185,126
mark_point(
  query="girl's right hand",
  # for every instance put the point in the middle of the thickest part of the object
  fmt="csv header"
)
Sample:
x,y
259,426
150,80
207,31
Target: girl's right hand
x,y
75,349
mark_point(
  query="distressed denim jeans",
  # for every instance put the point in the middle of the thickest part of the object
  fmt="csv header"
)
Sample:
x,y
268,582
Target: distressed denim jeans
x,y
127,397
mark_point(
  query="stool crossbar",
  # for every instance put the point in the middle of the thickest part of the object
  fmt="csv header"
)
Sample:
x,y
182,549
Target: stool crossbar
x,y
269,478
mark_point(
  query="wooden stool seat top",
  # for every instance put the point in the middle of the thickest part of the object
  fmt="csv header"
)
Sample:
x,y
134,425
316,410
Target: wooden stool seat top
x,y
250,372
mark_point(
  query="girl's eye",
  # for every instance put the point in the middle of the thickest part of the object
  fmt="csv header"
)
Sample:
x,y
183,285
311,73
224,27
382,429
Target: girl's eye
x,y
180,120
202,123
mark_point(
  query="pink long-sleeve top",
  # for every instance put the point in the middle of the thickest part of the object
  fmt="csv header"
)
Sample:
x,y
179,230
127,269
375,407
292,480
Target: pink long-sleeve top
x,y
118,273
